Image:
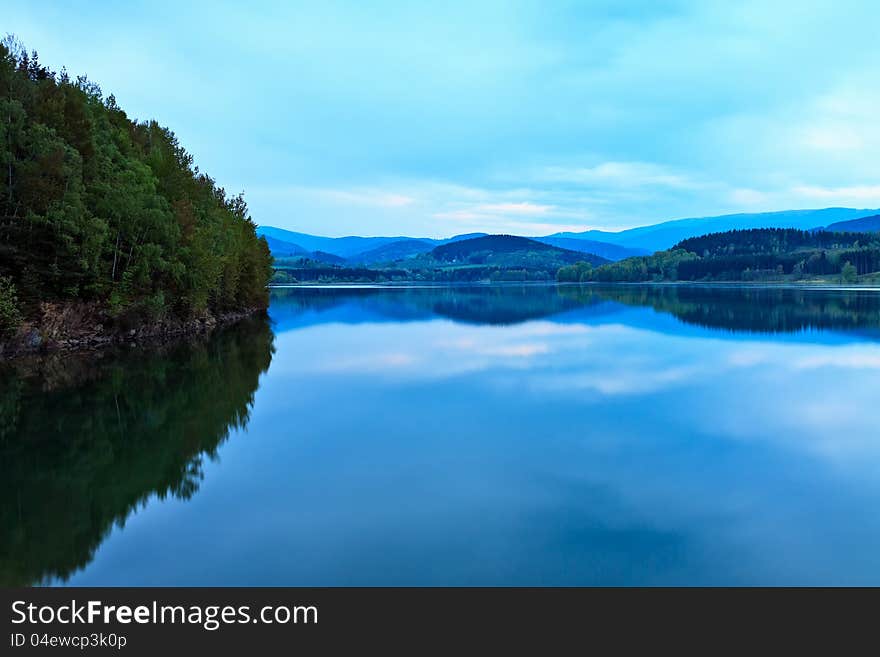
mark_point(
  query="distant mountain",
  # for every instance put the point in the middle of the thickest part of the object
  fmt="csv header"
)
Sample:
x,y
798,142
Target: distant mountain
x,y
459,238
392,251
662,236
343,247
604,249
869,224
352,247
508,251
327,258
607,244
280,248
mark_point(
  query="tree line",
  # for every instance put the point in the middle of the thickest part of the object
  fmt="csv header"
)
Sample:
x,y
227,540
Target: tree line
x,y
95,206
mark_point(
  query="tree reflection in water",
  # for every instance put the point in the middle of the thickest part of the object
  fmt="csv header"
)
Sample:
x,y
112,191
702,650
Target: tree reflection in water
x,y
87,439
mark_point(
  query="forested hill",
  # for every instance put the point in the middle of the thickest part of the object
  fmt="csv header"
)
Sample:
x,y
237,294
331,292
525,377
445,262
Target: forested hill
x,y
490,248
863,225
96,207
760,254
769,241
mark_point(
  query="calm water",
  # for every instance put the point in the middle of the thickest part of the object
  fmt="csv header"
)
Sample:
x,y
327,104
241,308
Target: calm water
x,y
504,435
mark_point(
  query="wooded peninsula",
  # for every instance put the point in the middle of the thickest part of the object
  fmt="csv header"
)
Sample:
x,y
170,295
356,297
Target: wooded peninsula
x,y
106,224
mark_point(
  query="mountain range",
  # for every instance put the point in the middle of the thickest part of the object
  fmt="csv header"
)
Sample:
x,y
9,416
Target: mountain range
x,y
355,250
368,251
662,236
869,224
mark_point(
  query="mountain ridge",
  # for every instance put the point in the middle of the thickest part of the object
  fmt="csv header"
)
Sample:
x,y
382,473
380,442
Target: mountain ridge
x,y
663,235
613,245
508,250
869,224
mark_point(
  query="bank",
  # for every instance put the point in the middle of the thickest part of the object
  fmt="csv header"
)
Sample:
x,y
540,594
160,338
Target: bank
x,y
76,326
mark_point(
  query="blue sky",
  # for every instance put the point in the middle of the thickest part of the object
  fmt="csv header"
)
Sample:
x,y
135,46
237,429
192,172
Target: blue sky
x,y
433,119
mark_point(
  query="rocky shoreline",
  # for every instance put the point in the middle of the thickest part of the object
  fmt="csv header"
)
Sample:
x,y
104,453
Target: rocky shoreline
x,y
78,327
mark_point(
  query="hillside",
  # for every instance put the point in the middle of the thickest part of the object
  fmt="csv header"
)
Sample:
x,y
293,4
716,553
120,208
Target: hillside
x,y
658,237
760,241
392,251
869,224
108,219
761,254
495,244
344,247
352,247
507,251
377,250
485,258
607,244
327,258
280,248
602,249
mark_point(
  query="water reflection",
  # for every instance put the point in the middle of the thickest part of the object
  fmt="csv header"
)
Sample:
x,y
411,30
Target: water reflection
x,y
755,309
469,435
734,308
85,440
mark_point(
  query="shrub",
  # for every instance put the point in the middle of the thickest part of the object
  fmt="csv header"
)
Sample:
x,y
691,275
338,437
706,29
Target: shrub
x,y
10,314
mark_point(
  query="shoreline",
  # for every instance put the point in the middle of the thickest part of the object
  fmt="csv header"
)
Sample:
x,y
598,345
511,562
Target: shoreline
x,y
798,285
68,328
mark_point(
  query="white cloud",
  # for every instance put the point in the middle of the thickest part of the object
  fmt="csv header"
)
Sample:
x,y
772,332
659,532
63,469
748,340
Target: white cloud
x,y
750,198
856,195
377,197
833,137
470,221
369,197
619,174
522,208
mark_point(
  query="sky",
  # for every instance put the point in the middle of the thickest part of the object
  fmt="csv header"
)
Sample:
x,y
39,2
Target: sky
x,y
435,119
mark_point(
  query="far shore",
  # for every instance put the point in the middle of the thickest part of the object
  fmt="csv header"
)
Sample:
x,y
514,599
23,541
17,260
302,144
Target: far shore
x,y
816,284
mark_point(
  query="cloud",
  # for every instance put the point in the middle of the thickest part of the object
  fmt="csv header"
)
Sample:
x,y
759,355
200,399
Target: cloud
x,y
462,215
510,217
833,137
367,197
470,221
744,196
523,208
856,195
374,198
515,118
619,174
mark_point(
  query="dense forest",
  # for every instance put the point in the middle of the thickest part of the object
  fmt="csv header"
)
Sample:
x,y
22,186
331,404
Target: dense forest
x,y
96,207
285,275
760,254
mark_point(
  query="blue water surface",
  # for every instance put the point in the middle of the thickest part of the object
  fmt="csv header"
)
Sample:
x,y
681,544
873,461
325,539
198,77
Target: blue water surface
x,y
497,435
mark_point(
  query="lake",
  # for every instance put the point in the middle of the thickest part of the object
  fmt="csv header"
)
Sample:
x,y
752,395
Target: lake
x,y
504,435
